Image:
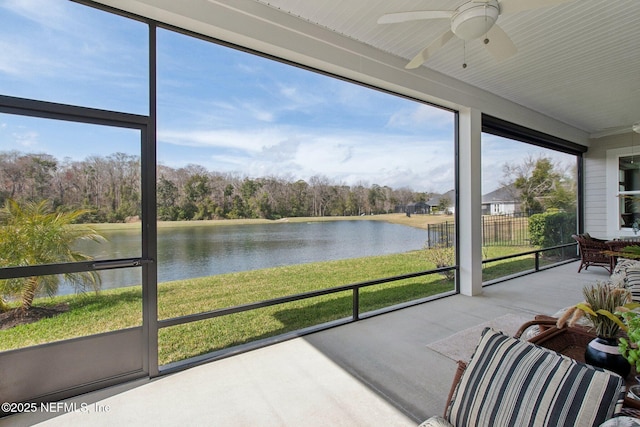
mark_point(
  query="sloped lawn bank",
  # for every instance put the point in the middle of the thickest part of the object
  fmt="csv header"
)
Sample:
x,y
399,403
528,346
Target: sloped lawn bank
x,y
80,315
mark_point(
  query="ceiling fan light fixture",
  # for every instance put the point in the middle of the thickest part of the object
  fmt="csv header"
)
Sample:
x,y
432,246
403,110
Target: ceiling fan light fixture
x,y
473,19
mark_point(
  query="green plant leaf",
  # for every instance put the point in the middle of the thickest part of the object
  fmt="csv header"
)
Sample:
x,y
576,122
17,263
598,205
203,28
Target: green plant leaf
x,y
586,309
613,318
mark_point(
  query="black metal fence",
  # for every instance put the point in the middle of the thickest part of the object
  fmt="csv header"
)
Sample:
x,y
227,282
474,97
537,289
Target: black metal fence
x,y
356,315
497,230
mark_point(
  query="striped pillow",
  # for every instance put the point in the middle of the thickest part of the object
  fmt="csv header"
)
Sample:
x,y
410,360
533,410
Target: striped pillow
x,y
622,268
509,382
633,284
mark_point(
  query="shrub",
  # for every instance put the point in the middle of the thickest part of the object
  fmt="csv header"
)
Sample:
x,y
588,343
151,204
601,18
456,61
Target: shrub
x,y
551,228
442,255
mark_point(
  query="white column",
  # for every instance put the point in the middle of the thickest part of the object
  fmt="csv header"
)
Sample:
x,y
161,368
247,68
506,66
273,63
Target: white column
x,y
470,202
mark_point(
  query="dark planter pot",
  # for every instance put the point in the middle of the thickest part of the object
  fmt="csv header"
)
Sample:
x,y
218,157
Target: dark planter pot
x,y
604,353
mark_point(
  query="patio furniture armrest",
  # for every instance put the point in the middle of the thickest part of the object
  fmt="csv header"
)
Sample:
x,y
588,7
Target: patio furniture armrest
x,y
462,366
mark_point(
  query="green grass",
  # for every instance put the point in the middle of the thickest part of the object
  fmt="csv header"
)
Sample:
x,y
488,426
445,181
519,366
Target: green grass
x,y
209,293
88,314
121,308
496,269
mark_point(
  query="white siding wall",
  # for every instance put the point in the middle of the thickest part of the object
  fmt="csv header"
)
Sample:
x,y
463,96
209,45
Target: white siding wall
x,y
600,195
594,207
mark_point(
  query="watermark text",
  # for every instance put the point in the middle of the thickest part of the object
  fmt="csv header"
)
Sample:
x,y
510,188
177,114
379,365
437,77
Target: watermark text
x,y
54,407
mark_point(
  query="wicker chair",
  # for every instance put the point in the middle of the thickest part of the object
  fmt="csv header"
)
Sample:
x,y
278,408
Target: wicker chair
x,y
591,252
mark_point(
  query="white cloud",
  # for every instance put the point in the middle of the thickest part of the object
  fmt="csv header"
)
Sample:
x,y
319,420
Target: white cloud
x,y
283,151
419,116
46,13
57,49
258,113
228,162
248,69
348,156
20,60
250,141
299,98
26,139
289,92
353,96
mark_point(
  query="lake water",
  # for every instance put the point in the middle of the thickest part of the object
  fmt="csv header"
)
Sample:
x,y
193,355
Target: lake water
x,y
196,251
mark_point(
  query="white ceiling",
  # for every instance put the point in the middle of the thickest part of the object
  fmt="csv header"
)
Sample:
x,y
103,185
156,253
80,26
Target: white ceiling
x,y
578,62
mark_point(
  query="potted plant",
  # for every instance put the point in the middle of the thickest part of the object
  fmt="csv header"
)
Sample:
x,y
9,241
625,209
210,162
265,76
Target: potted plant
x,y
630,345
603,306
631,252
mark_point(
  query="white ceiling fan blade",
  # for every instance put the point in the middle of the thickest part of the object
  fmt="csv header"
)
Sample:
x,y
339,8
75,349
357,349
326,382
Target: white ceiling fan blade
x,y
617,130
500,45
393,18
425,53
514,6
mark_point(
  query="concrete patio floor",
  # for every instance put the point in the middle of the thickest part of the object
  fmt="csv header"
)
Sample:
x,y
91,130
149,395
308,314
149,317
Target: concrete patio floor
x,y
375,372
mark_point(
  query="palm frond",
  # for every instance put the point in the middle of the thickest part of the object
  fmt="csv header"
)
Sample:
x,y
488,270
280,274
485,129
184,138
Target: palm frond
x,y
32,233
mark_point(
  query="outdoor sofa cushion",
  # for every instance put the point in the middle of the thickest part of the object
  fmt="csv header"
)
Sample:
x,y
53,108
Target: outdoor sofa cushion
x,y
622,268
510,382
633,284
626,274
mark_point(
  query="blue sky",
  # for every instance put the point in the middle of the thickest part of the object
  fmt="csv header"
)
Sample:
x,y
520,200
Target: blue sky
x,y
226,110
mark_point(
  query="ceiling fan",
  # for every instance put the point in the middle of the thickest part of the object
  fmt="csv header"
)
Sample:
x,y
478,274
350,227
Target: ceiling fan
x,y
619,130
471,20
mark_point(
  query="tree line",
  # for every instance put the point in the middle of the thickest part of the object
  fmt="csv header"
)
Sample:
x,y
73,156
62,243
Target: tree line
x,y
108,189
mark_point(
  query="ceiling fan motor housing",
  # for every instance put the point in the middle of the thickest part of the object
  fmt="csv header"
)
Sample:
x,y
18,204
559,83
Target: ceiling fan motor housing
x,y
474,19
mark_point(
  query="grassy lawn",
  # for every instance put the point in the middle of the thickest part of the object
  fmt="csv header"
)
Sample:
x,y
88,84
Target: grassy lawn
x,y
121,308
497,269
208,293
494,270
